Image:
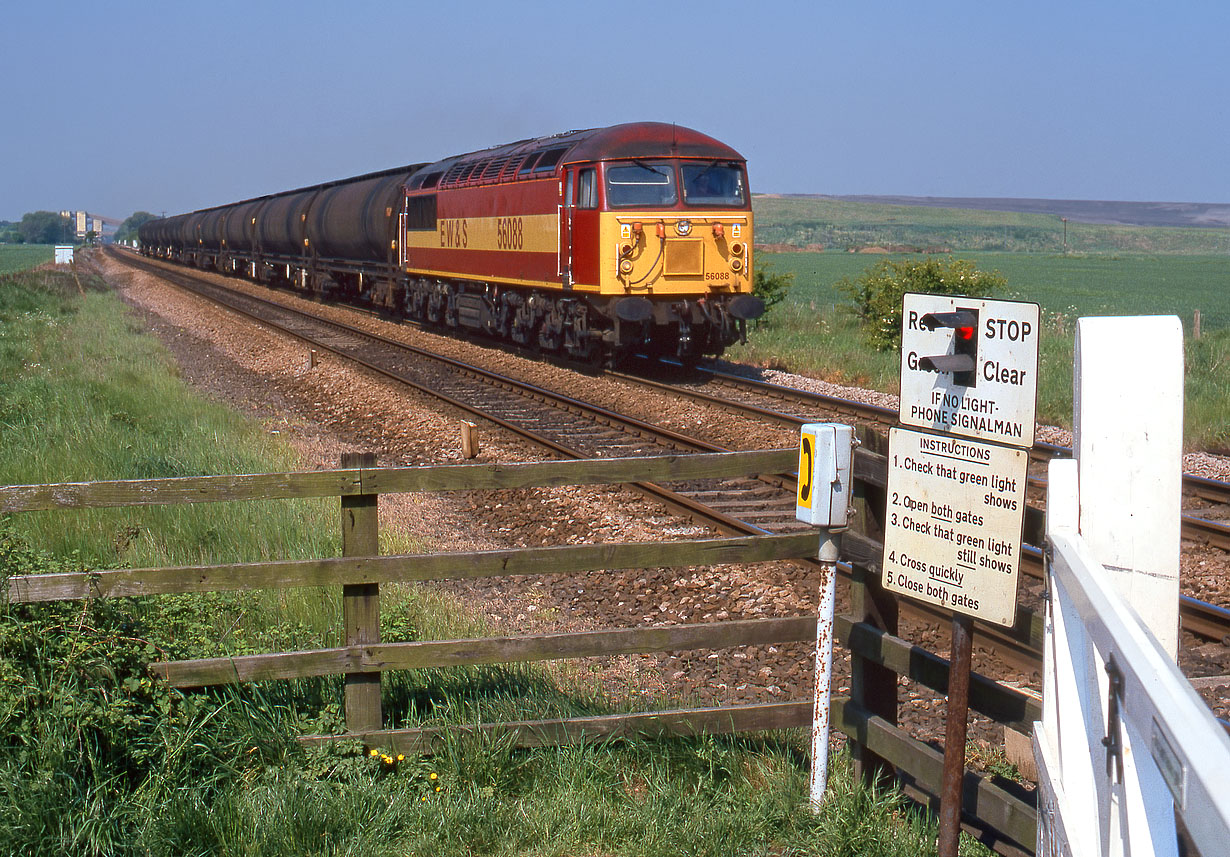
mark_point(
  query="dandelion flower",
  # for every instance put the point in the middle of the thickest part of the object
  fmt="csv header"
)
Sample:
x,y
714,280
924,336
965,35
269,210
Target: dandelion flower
x,y
439,788
433,776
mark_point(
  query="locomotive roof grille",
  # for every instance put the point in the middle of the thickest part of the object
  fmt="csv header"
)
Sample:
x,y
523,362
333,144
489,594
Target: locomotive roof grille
x,y
494,168
451,175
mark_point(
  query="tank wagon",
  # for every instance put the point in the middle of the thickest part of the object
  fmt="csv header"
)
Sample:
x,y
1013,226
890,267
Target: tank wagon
x,y
591,244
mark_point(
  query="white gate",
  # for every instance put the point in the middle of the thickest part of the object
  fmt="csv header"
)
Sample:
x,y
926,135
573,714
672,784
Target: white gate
x,y
1125,744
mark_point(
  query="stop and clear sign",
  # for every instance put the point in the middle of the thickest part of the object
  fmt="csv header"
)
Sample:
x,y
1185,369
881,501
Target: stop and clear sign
x,y
969,366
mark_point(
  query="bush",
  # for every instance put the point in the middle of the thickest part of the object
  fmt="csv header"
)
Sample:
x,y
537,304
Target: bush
x,y
878,292
770,287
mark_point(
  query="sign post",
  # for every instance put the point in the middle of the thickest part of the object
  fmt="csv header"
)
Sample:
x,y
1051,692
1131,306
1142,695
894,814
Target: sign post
x,y
956,483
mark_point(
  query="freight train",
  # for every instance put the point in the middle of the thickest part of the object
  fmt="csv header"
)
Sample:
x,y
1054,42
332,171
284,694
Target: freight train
x,y
594,244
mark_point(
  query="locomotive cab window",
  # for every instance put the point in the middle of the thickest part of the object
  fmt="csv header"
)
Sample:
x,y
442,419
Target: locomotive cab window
x,y
641,183
716,183
587,188
421,212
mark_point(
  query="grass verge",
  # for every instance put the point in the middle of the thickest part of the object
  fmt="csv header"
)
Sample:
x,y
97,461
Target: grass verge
x,y
98,759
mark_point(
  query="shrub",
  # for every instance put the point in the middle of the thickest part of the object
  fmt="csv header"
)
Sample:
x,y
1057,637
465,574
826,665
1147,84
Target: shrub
x,y
877,293
770,287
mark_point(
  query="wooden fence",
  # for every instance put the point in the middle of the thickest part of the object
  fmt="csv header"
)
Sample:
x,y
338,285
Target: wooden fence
x,y
868,716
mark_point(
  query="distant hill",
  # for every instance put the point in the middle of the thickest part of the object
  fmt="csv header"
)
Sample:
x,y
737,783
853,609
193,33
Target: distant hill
x,y
1192,214
935,225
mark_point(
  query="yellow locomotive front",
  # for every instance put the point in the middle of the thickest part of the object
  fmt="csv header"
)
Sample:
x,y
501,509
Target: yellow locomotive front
x,y
678,227
676,232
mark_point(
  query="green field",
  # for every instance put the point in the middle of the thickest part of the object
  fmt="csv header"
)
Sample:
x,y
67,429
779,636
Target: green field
x,y
1071,285
814,330
21,257
840,224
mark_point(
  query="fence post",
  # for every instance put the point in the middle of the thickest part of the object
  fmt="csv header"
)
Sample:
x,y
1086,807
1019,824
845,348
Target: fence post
x,y
361,601
872,686
1128,441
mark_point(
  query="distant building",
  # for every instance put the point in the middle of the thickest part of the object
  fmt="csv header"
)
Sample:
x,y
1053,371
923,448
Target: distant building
x,y
83,222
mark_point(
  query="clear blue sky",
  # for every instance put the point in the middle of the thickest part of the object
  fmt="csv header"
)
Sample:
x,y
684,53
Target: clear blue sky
x,y
170,106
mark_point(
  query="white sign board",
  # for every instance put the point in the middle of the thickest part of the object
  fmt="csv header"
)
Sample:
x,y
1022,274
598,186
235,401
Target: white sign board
x,y
952,534
993,399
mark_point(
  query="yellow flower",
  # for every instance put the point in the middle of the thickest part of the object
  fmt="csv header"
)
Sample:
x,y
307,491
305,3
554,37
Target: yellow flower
x,y
375,753
433,776
439,788
401,757
424,797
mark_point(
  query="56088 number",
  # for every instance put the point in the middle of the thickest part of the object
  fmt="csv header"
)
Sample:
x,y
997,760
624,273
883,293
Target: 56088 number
x,y
509,233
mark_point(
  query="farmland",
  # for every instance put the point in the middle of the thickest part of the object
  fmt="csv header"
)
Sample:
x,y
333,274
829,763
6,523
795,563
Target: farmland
x,y
1071,285
1109,270
19,257
838,224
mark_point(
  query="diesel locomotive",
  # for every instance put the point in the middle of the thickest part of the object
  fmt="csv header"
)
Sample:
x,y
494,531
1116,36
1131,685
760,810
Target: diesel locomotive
x,y
590,244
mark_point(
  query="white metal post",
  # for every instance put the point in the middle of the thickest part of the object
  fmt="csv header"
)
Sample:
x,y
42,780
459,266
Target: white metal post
x,y
830,543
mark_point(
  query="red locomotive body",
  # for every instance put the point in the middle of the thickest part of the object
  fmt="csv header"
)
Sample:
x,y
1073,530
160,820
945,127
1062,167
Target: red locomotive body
x,y
590,243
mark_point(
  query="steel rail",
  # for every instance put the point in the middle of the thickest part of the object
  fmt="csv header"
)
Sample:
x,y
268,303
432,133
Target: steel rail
x,y
1213,490
1194,527
1017,646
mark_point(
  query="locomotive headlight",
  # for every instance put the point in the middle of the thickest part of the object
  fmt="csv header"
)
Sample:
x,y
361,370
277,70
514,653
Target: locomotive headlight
x,y
736,249
625,266
736,265
684,227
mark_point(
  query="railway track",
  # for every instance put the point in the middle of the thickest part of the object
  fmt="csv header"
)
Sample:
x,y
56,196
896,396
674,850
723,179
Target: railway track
x,y
572,428
793,407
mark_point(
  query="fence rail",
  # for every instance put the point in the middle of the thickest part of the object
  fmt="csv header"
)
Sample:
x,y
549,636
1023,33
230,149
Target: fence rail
x,y
868,717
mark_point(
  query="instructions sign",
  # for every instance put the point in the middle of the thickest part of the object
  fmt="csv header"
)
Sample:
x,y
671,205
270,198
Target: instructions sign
x,y
952,533
969,366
